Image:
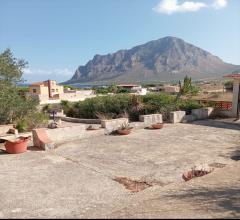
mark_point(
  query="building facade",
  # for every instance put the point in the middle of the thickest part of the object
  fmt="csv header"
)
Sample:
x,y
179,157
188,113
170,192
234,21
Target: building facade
x,y
50,92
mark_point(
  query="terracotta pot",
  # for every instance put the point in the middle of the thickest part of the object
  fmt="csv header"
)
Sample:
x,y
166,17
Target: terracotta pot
x,y
157,126
18,146
124,131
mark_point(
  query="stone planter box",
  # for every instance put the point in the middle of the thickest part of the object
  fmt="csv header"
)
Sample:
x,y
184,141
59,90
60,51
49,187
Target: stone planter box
x,y
189,118
113,124
151,119
177,116
202,113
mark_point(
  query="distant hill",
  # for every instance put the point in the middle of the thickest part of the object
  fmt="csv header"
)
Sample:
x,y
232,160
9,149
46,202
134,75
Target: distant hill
x,y
166,59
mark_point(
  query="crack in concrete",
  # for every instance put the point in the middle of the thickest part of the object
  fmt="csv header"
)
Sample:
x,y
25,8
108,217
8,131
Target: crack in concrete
x,y
85,166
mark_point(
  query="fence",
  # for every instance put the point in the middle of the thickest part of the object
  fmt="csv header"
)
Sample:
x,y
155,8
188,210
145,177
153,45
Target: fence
x,y
221,105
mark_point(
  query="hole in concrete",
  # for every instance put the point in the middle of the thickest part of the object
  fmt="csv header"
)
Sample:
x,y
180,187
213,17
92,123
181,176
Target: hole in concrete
x,y
217,165
132,185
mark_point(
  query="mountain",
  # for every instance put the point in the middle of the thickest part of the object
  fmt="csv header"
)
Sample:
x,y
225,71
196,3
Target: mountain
x,y
165,59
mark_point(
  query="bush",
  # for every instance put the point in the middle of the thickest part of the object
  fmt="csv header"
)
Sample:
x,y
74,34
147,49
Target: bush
x,y
35,120
103,104
121,104
189,104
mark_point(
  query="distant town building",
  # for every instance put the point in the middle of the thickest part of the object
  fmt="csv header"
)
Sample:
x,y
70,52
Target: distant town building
x,y
171,89
130,86
134,88
50,92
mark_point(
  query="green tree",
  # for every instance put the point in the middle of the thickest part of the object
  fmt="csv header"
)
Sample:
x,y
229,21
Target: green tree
x,y
14,106
187,88
11,68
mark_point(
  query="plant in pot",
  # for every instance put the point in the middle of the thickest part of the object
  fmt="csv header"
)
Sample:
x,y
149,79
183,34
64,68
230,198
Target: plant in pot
x,y
125,129
18,145
157,126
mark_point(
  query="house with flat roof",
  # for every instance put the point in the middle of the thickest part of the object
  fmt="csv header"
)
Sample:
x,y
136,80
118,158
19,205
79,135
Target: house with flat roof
x,y
50,92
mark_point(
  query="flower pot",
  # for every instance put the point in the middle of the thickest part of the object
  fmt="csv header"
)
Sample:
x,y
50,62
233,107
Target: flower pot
x,y
17,146
124,131
157,126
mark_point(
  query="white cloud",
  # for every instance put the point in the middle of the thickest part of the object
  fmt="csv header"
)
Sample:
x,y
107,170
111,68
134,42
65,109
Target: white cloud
x,y
218,4
63,72
173,6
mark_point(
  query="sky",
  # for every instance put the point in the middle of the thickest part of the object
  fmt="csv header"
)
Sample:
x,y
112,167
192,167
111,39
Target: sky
x,y
56,36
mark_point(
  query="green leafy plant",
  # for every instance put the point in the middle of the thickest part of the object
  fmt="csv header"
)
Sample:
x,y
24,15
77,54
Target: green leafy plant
x,y
125,126
29,122
22,125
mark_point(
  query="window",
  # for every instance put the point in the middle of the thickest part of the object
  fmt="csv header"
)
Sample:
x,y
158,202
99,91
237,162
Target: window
x,y
34,90
56,90
53,90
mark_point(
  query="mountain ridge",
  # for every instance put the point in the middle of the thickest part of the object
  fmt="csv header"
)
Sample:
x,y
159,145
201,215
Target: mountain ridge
x,y
164,59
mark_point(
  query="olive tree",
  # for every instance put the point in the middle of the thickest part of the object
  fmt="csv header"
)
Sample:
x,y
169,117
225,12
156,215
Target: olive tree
x,y
13,105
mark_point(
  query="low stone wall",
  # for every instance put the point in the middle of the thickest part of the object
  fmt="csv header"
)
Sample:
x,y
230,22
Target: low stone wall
x,y
151,119
81,120
223,113
197,114
58,135
113,124
177,116
202,113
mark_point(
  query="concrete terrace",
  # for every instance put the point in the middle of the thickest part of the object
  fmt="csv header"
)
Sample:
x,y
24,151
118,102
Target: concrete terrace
x,y
76,179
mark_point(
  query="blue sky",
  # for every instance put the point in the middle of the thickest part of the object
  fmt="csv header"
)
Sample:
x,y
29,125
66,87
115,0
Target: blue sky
x,y
56,36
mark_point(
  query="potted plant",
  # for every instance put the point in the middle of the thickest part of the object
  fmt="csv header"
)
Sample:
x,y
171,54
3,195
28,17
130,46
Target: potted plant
x,y
125,129
19,145
157,126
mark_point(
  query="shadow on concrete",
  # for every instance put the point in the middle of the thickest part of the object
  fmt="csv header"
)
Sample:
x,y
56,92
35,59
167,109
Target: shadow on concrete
x,y
224,199
3,152
217,124
235,155
33,148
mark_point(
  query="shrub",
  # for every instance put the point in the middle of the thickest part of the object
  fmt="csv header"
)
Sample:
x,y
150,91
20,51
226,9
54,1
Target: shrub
x,y
189,104
132,105
29,122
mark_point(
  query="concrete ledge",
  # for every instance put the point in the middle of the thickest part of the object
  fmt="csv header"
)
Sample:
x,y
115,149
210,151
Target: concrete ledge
x,y
81,120
177,116
202,113
151,119
113,124
41,139
66,133
189,118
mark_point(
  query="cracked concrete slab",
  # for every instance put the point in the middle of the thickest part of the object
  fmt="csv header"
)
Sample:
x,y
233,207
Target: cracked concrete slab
x,y
76,179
